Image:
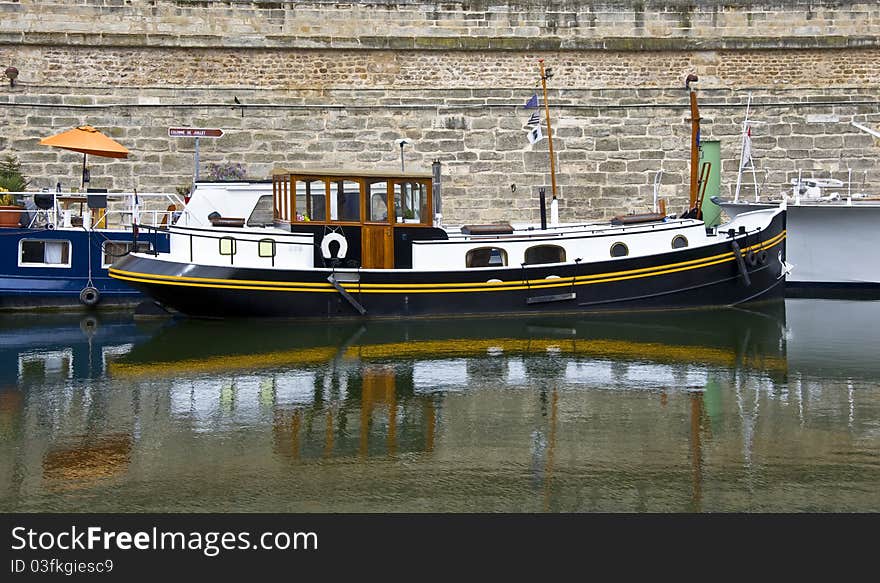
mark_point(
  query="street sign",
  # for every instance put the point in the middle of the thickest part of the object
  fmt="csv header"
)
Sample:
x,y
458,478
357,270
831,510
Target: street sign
x,y
194,132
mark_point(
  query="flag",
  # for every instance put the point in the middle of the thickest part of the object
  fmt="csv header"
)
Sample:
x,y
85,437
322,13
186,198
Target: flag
x,y
532,103
534,120
535,135
747,148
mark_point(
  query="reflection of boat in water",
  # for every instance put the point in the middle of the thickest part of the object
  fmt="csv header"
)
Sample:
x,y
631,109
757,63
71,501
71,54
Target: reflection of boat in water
x,y
37,348
105,457
726,337
834,337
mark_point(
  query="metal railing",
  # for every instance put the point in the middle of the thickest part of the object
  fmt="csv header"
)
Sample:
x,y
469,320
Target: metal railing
x,y
92,210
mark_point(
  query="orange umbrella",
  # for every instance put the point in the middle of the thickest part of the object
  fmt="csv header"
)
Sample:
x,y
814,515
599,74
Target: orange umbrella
x,y
87,140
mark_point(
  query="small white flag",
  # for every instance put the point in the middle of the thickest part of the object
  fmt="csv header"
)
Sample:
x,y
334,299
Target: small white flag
x,y
747,148
535,135
534,120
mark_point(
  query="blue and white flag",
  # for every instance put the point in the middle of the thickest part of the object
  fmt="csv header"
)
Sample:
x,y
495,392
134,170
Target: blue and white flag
x,y
534,120
535,135
532,103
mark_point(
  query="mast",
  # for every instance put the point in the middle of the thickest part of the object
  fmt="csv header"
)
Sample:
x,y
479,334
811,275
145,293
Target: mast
x,y
547,74
695,145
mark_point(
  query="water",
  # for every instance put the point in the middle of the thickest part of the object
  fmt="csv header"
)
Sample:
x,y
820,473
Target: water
x,y
775,410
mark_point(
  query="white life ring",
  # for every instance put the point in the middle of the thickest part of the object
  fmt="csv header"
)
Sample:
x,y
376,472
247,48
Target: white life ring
x,y
325,245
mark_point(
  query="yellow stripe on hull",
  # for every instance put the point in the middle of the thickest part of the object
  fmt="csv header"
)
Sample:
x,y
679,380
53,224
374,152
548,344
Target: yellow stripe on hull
x,y
416,288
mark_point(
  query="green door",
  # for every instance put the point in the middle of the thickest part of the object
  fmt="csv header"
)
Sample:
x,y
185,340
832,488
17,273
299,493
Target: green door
x,y
710,151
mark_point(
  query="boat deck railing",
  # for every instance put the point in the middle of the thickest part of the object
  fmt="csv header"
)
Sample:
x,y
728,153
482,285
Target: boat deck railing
x,y
95,210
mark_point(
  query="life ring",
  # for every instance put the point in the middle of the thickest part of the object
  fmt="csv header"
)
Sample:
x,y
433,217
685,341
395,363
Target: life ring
x,y
89,296
752,258
325,246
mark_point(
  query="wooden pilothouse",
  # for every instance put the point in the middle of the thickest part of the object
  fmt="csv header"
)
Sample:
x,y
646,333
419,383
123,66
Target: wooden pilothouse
x,y
364,219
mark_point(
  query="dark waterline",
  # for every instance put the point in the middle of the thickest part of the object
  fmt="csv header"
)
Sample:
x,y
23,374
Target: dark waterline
x,y
770,410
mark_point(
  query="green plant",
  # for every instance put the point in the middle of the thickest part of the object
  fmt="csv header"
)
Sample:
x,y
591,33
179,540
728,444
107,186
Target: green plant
x,y
184,190
409,214
11,177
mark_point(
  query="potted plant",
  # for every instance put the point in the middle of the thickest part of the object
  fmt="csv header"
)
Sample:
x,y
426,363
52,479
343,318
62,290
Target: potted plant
x,y
8,215
11,180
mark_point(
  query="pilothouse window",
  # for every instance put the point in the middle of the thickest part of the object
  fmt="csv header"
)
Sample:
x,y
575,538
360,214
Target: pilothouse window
x,y
311,200
345,201
377,211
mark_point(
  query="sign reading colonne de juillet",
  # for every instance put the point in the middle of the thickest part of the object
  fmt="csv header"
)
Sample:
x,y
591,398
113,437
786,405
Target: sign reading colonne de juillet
x,y
194,132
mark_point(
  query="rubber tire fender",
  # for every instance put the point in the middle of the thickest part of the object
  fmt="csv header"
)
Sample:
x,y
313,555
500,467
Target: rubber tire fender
x,y
89,296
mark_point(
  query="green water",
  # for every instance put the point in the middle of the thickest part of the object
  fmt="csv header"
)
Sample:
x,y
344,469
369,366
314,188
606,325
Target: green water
x,y
775,410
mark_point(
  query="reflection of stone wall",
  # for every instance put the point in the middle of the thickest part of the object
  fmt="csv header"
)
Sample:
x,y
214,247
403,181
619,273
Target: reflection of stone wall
x,y
329,85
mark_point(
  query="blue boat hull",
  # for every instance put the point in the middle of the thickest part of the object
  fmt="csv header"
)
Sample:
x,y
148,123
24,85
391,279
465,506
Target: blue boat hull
x,y
32,286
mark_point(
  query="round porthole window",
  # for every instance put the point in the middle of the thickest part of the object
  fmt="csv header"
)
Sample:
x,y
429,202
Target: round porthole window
x,y
619,250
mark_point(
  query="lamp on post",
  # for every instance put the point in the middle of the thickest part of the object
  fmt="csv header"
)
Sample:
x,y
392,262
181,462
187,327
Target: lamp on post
x,y
402,142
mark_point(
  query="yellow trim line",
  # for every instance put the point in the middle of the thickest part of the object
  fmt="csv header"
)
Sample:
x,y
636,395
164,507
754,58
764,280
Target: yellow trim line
x,y
414,288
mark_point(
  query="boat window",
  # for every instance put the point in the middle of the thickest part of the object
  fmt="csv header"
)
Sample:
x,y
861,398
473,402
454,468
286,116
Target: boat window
x,y
486,257
266,247
345,201
410,202
227,246
113,250
262,213
545,254
377,212
619,250
679,242
311,200
33,253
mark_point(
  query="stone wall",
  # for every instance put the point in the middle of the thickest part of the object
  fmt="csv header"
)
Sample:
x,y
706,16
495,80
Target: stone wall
x,y
326,84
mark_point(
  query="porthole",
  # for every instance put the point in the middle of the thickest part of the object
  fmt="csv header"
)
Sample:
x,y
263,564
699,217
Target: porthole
x,y
679,242
619,250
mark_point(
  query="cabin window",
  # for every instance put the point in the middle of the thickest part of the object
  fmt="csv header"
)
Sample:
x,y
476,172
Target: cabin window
x,y
311,200
410,202
345,201
619,250
487,257
34,253
377,210
113,250
679,242
545,254
266,248
262,213
227,246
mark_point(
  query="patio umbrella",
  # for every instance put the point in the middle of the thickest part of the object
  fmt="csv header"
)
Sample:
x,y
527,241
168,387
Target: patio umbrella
x,y
87,140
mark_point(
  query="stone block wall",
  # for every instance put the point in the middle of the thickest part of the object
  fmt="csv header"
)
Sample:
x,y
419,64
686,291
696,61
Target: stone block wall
x,y
331,84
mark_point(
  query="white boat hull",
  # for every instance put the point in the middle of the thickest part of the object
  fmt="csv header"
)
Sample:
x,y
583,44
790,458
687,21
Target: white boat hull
x,y
829,245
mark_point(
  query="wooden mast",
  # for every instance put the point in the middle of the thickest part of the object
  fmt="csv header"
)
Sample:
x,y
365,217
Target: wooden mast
x,y
695,146
544,76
